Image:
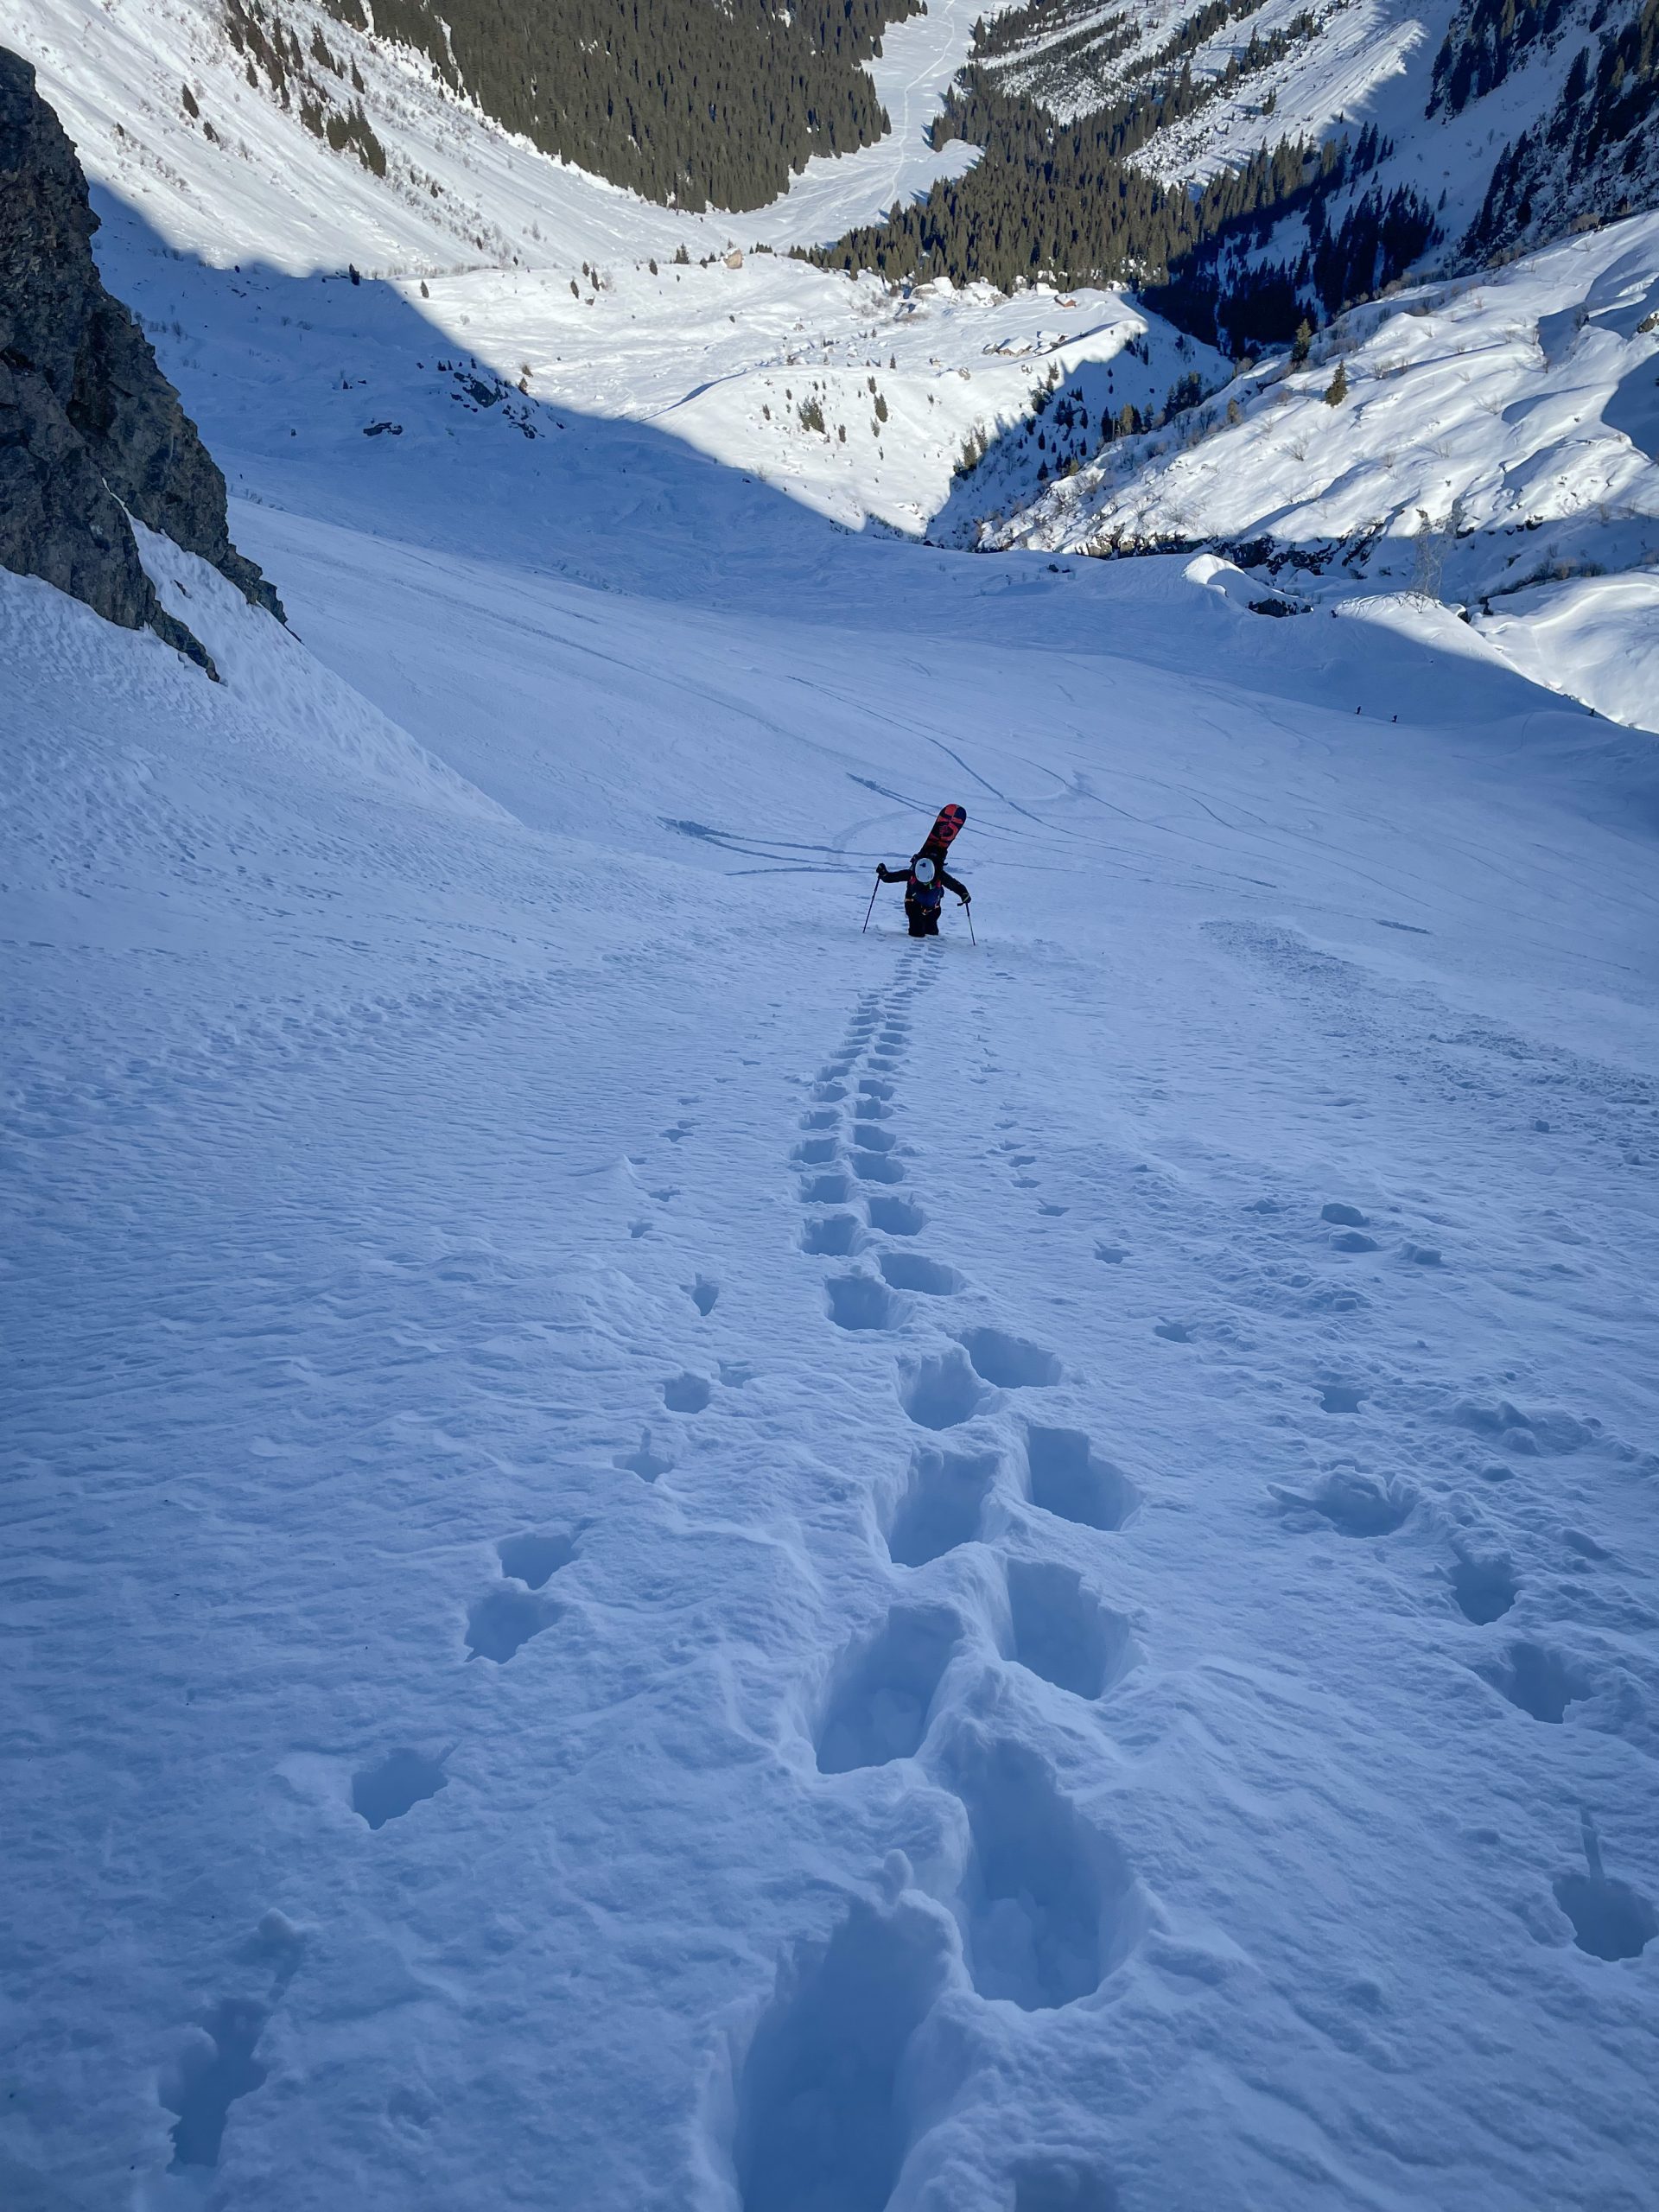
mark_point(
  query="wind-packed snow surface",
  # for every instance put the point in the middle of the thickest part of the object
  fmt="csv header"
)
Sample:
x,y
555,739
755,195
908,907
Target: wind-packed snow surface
x,y
665,1557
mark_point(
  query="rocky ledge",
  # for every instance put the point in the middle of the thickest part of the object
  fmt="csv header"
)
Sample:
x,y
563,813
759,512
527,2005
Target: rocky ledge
x,y
90,432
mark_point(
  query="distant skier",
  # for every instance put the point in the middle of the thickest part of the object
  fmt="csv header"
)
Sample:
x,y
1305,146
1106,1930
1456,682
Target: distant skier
x,y
927,879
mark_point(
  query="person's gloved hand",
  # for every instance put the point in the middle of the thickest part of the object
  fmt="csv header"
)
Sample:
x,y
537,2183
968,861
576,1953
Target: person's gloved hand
x,y
967,899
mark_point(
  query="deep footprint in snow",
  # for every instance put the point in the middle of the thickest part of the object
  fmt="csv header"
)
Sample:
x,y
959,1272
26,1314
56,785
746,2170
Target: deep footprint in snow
x,y
815,1152
833,1237
1340,1398
1609,1919
876,1167
861,1302
871,1110
916,1271
646,1461
687,1393
1484,1589
533,1559
705,1295
1536,1680
881,1693
1010,1363
208,2077
504,1620
940,1389
894,1217
827,1191
874,1087
401,1781
822,1117
822,2124
872,1140
1048,1905
1065,1476
1062,1632
942,1504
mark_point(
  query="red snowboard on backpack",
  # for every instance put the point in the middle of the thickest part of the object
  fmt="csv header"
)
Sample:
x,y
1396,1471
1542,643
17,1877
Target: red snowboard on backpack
x,y
925,880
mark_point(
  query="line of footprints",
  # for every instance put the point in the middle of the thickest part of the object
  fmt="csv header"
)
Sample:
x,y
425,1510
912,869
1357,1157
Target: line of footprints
x,y
1044,1901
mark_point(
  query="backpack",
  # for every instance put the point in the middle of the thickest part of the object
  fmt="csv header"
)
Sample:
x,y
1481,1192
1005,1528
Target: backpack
x,y
928,895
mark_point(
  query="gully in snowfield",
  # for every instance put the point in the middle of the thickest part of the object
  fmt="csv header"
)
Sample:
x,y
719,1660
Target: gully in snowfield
x,y
925,880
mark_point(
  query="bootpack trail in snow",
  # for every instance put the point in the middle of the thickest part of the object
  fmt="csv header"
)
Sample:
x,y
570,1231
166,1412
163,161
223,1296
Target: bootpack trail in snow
x,y
769,1569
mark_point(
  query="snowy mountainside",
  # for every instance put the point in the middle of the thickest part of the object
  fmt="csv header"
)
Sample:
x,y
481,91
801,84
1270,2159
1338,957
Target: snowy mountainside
x,y
1449,84
545,278
671,1555
645,1551
1494,442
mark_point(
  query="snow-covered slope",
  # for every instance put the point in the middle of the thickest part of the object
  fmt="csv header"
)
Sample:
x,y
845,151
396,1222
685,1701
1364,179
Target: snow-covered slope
x,y
1497,447
1346,65
663,1557
759,1566
546,277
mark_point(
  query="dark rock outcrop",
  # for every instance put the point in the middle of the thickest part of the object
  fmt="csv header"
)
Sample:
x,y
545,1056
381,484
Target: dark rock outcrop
x,y
90,431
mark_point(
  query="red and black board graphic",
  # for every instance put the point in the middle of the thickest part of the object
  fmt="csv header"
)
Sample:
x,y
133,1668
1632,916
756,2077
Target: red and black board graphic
x,y
950,821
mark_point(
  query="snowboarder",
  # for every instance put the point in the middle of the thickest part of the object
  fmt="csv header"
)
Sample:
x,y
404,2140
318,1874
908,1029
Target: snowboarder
x,y
927,879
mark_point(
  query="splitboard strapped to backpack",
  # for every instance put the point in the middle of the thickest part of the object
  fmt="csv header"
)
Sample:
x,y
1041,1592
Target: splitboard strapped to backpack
x,y
926,879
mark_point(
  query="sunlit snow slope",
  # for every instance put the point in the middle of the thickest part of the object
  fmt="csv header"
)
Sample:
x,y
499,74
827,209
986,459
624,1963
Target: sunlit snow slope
x,y
552,280
1494,444
665,1557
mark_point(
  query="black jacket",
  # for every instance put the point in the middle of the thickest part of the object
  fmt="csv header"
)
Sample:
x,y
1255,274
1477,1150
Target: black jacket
x,y
907,875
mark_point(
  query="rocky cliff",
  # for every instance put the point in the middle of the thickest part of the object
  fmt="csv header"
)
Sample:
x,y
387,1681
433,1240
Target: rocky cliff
x,y
90,431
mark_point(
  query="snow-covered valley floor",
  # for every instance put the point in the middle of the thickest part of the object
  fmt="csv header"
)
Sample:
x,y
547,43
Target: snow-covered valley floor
x,y
662,1555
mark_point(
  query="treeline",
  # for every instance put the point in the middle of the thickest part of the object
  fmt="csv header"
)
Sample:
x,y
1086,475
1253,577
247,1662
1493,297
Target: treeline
x,y
1485,40
1066,200
1198,31
1042,19
1222,296
1596,152
688,103
268,46
1071,59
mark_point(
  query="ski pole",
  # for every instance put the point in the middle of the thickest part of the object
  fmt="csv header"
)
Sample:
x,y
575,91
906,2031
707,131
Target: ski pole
x,y
870,909
969,911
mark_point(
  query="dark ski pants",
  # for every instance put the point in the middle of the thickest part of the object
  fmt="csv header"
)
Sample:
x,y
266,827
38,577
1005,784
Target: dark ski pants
x,y
923,920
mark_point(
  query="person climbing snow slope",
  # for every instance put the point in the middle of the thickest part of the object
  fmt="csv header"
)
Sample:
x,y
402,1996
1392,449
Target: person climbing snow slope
x,y
926,879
